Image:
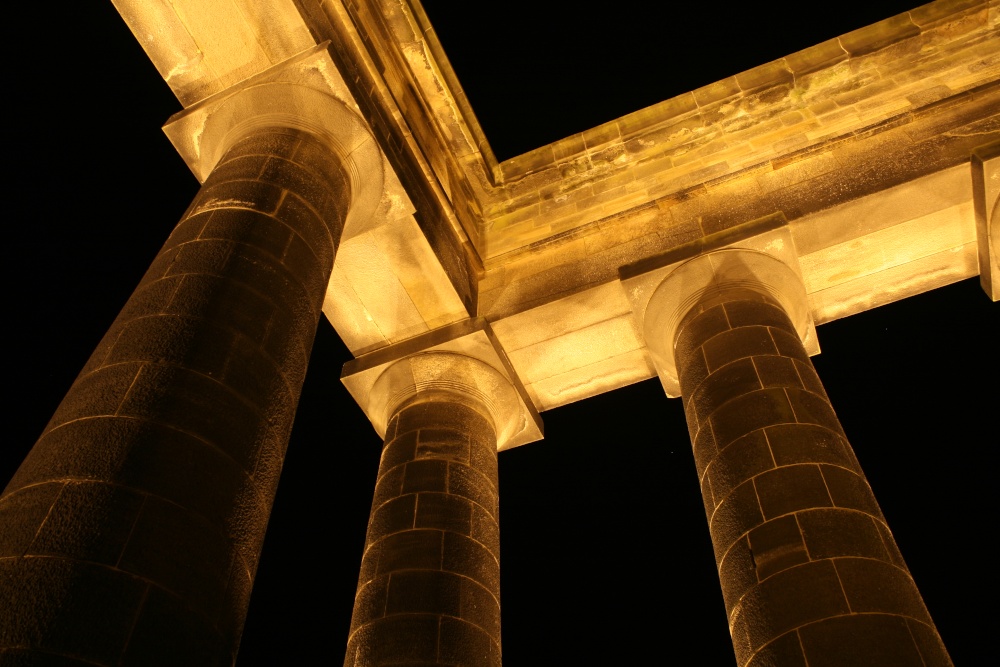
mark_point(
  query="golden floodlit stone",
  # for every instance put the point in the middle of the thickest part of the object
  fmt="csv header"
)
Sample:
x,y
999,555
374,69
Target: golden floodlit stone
x,y
701,240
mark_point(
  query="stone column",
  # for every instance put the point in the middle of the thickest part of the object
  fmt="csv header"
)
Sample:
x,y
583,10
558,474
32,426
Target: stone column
x,y
810,572
429,590
130,535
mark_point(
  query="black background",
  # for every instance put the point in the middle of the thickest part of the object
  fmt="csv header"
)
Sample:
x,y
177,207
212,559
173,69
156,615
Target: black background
x,y
606,555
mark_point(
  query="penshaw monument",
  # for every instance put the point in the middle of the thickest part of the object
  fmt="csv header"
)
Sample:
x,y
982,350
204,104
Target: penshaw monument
x,y
701,241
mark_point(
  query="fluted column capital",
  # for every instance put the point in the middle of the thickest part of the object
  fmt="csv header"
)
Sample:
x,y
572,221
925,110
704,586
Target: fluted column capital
x,y
759,257
305,93
699,282
467,379
464,360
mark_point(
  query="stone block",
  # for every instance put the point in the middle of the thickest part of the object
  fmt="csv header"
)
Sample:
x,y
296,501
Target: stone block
x,y
481,607
181,553
443,511
238,168
735,515
245,311
270,141
878,35
785,651
777,545
928,641
716,92
486,530
370,601
445,444
816,57
770,74
22,513
809,379
398,451
725,383
873,586
314,189
484,452
178,397
693,370
808,443
393,516
934,12
758,409
307,223
187,342
744,313
99,393
68,451
739,462
790,599
864,639
463,643
149,298
68,607
251,195
831,533
895,557
424,592
410,639
788,344
708,498
90,521
737,573
737,344
811,408
791,488
412,549
705,449
388,486
188,229
369,563
250,228
850,490
777,371
425,475
469,558
260,380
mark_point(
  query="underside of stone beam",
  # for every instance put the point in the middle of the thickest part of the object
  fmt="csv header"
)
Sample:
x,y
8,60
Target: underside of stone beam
x,y
863,143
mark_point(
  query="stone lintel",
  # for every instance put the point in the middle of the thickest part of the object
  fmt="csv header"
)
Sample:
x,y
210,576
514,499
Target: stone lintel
x,y
850,92
202,48
986,196
472,339
759,255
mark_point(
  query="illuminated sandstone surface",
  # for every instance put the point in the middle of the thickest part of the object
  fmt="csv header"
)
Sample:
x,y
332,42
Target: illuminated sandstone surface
x,y
701,240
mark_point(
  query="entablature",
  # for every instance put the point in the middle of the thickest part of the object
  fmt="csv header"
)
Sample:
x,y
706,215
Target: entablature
x,y
864,143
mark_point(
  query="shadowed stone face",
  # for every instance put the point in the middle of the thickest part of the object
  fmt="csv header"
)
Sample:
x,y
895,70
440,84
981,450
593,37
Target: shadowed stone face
x,y
429,591
810,572
130,535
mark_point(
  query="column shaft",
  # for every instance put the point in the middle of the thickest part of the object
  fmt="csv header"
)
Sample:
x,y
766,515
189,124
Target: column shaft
x,y
810,572
429,591
130,535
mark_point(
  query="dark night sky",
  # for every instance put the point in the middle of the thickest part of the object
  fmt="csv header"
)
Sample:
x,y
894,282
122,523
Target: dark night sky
x,y
606,555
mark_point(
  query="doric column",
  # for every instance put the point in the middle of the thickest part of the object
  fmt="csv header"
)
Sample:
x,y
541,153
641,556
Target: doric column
x,y
130,535
810,572
429,591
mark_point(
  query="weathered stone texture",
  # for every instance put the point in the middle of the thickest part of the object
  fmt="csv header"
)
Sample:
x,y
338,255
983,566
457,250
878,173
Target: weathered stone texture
x,y
130,535
810,572
429,591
